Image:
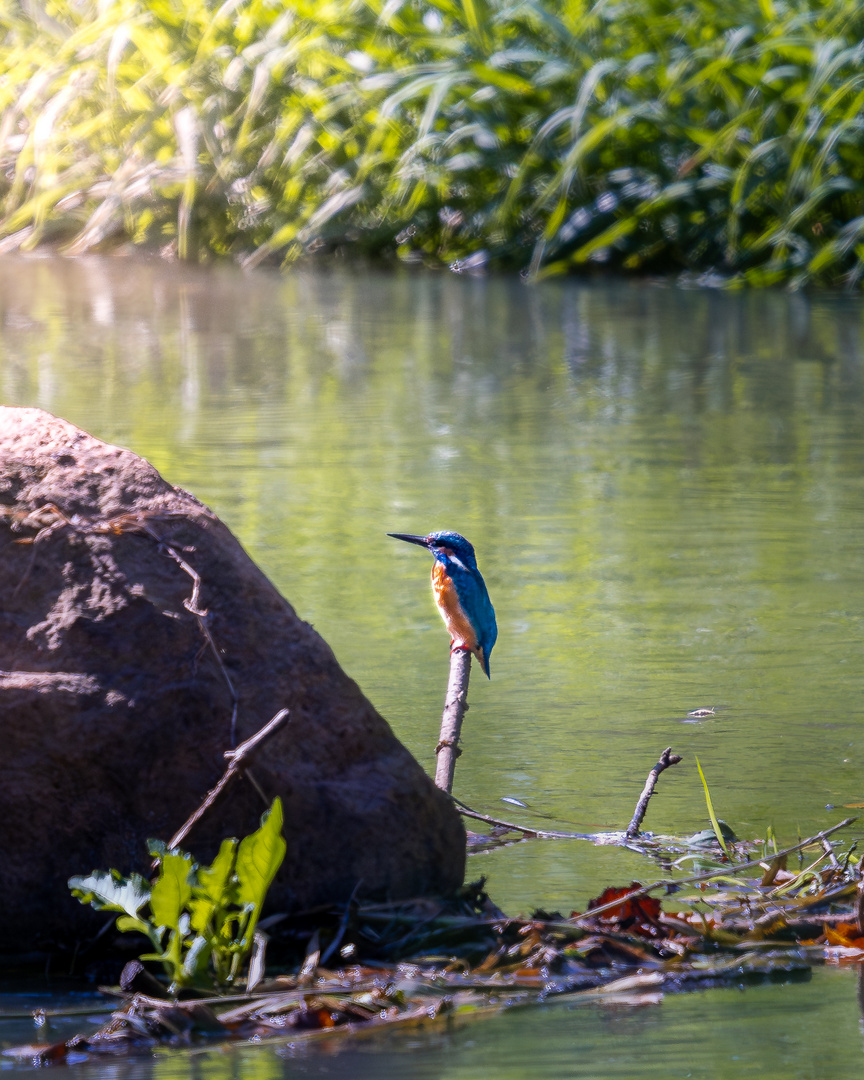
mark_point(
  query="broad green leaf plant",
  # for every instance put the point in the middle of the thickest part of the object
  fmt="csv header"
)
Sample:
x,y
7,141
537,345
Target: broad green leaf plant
x,y
200,920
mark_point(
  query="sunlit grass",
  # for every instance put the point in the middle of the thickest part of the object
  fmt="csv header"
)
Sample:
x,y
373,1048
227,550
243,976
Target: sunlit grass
x,y
721,137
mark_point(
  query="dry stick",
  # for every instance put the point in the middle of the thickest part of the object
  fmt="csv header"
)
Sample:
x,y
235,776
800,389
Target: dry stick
x,y
235,768
192,606
667,758
455,707
663,883
44,533
540,834
832,858
343,926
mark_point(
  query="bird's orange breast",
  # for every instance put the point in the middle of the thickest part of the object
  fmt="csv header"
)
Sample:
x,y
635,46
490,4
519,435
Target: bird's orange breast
x,y
455,619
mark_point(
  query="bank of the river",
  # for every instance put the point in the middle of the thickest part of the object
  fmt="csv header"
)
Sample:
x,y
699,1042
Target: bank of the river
x,y
719,138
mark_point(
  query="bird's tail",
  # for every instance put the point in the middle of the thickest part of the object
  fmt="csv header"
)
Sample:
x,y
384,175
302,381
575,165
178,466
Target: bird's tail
x,y
483,659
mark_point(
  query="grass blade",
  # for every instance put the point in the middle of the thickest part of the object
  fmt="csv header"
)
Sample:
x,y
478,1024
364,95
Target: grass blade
x,y
715,824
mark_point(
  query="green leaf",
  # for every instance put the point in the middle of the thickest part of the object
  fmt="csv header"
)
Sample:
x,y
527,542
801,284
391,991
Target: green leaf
x,y
213,889
110,891
609,235
258,859
172,891
197,955
159,958
476,15
157,849
506,80
212,881
125,923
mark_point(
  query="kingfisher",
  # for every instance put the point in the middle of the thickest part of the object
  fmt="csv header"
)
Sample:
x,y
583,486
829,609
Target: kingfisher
x,y
460,593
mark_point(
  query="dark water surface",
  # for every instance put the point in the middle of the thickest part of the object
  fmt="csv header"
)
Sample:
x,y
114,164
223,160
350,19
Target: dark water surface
x,y
666,492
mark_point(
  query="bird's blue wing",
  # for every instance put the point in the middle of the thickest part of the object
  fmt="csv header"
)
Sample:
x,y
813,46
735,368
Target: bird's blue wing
x,y
471,590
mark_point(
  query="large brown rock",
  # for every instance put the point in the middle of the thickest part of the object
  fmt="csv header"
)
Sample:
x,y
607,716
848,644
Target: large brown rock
x,y
115,714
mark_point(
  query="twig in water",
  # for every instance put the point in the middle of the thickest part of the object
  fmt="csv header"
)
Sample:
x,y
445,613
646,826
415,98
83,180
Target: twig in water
x,y
235,768
667,758
455,707
343,926
665,883
527,831
829,851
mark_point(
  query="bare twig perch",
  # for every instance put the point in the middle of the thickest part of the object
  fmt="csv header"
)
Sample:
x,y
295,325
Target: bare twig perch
x,y
236,763
455,707
667,758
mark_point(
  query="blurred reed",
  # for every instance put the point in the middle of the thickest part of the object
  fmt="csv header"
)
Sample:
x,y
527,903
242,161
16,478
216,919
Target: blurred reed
x,y
719,138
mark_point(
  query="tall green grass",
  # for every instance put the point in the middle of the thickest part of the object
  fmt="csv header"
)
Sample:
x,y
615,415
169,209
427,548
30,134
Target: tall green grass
x,y
719,137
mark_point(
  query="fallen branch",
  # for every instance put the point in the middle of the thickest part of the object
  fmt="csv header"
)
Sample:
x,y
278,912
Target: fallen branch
x,y
236,760
455,707
540,834
667,758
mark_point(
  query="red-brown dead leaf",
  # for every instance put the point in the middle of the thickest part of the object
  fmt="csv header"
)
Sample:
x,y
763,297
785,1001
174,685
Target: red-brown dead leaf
x,y
639,913
39,1053
846,934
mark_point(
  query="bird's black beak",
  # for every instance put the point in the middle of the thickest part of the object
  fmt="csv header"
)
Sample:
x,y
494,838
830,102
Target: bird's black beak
x,y
421,540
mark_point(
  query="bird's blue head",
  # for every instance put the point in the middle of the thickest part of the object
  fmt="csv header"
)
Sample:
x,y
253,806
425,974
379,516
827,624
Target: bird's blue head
x,y
444,545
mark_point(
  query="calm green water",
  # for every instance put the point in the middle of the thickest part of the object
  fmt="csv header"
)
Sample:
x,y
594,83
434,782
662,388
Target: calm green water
x,y
666,492
796,1031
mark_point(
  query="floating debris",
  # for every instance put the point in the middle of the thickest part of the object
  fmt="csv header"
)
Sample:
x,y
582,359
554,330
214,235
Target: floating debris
x,y
421,962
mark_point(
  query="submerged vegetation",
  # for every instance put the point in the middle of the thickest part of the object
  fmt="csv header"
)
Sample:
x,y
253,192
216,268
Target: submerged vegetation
x,y
717,137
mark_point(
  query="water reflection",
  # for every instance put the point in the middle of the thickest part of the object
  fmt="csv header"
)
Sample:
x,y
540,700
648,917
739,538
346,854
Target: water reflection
x,y
665,489
788,1031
